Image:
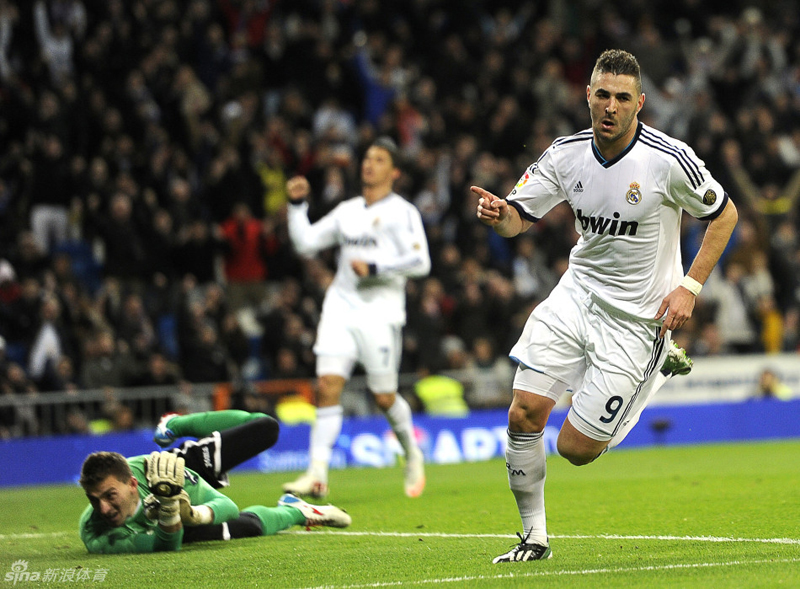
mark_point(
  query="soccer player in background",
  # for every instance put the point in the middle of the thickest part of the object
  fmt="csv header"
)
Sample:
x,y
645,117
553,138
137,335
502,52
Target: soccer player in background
x,y
381,243
162,501
604,331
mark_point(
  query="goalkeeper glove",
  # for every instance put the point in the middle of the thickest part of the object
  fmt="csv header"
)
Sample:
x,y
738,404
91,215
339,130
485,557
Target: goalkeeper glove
x,y
194,516
165,474
165,478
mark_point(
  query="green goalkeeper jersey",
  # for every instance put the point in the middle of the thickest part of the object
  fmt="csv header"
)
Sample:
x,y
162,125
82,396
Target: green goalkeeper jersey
x,y
139,534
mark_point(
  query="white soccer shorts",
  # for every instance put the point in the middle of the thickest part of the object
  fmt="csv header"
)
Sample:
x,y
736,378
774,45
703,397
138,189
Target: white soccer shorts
x,y
606,357
376,345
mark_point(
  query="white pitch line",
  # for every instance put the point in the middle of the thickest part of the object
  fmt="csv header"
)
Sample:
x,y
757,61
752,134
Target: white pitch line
x,y
33,535
563,537
718,539
534,574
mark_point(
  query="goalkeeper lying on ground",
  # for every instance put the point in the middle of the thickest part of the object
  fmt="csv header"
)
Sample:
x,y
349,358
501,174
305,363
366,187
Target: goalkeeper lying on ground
x,y
161,501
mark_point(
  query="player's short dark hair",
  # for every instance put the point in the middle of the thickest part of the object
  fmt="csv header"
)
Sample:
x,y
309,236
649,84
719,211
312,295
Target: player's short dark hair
x,y
387,143
99,465
619,63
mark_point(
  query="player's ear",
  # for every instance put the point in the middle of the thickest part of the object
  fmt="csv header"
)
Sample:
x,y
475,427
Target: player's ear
x,y
641,103
396,173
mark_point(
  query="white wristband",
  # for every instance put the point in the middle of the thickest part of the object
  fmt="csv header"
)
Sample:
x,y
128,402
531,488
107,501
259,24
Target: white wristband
x,y
202,514
169,519
691,285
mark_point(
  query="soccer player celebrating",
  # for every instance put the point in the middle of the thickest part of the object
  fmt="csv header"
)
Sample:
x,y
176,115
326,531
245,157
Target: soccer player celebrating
x,y
161,501
604,330
381,243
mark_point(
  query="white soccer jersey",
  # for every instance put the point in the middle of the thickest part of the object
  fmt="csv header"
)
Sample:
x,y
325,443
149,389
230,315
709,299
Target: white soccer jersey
x,y
627,211
387,234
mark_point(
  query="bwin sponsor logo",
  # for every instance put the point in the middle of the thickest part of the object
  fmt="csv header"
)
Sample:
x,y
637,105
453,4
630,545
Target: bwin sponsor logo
x,y
514,472
602,225
364,240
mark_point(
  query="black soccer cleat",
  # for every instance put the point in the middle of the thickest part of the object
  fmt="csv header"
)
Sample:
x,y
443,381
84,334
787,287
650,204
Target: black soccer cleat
x,y
525,551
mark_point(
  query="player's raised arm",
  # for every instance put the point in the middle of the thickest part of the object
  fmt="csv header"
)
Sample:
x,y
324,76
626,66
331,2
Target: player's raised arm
x,y
297,188
306,238
495,212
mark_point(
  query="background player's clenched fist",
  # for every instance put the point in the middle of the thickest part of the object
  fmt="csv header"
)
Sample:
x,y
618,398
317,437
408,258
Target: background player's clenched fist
x,y
297,188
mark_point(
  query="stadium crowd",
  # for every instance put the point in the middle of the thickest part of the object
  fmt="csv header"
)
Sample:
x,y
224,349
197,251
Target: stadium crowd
x,y
145,147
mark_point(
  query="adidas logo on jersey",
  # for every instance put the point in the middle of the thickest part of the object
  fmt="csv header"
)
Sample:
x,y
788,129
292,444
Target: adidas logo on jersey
x,y
602,225
578,187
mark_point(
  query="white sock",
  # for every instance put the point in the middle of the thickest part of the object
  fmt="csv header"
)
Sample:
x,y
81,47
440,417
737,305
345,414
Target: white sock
x,y
650,388
399,417
324,432
526,462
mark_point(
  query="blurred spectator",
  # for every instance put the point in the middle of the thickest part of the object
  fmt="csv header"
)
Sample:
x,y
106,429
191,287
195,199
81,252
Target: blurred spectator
x,y
249,241
104,365
64,378
55,42
28,259
123,237
533,279
197,250
49,196
20,419
133,322
471,315
50,343
288,366
771,386
441,396
23,312
489,376
158,373
733,316
206,359
235,339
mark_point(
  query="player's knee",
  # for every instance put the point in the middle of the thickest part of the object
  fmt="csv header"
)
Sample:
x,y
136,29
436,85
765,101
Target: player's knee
x,y
329,390
247,525
517,418
384,400
578,456
521,419
575,458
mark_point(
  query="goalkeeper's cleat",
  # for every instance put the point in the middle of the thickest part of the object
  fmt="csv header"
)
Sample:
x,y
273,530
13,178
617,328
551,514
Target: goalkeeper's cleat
x,y
415,473
307,486
163,436
677,363
317,515
525,551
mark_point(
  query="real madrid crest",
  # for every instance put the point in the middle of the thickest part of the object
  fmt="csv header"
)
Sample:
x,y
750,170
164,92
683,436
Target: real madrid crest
x,y
634,194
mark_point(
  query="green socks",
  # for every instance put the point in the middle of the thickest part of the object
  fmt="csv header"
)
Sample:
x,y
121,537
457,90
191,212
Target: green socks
x,y
275,519
200,425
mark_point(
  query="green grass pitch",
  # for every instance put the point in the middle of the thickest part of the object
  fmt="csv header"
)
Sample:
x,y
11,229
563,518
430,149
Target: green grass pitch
x,y
710,516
